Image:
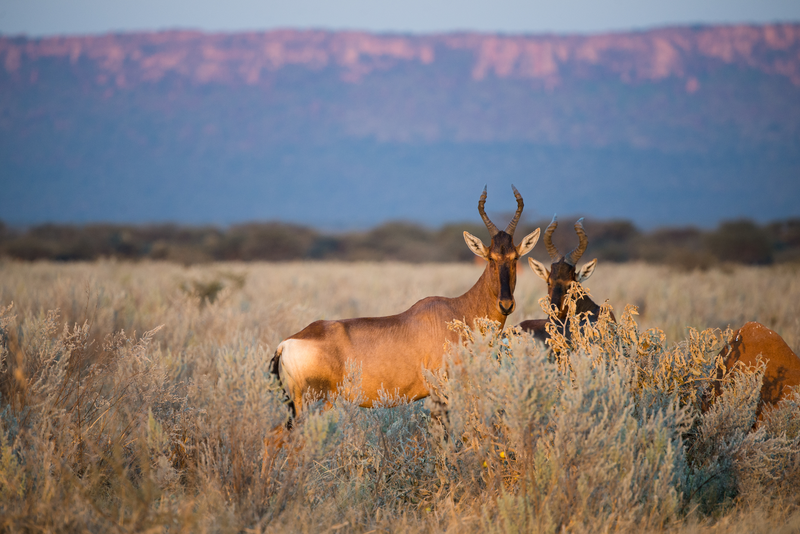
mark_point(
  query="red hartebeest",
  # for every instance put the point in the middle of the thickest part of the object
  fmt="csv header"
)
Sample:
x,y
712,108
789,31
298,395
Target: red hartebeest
x,y
393,351
560,277
782,372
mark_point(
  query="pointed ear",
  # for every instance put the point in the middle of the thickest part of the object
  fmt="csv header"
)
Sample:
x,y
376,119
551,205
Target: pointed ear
x,y
586,271
539,269
476,245
528,242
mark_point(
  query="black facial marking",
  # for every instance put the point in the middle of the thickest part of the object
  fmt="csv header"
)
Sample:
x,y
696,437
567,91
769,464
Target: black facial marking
x,y
502,243
505,282
562,274
505,255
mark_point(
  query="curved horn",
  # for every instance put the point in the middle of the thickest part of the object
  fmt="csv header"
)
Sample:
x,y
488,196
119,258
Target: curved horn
x,y
575,255
513,224
555,255
489,224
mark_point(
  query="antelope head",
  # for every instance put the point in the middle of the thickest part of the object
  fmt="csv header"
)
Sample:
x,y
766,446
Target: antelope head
x,y
562,273
501,255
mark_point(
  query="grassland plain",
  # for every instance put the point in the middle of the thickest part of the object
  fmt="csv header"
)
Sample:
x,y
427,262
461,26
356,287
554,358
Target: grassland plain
x,y
136,397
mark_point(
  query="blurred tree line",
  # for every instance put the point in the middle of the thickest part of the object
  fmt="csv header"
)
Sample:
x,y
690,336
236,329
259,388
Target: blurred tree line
x,y
740,241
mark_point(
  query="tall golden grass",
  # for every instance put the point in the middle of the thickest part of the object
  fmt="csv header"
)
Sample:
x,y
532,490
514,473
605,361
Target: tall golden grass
x,y
136,397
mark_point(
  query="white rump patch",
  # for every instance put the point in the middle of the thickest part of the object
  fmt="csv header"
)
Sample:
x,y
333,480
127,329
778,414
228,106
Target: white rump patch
x,y
298,356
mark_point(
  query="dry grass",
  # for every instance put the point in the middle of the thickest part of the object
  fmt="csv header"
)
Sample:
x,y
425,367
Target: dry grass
x,y
136,397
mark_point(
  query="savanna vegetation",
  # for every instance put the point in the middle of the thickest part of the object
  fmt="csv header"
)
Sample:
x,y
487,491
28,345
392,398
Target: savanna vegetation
x,y
137,397
740,241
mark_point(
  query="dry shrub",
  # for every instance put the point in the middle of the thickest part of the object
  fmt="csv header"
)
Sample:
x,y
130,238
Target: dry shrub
x,y
555,451
72,420
183,428
732,461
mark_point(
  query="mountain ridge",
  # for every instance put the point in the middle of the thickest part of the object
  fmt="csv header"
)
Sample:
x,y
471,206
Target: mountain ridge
x,y
695,123
645,55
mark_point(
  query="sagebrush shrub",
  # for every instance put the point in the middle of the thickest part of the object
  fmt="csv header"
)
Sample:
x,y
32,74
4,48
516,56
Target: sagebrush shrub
x,y
610,427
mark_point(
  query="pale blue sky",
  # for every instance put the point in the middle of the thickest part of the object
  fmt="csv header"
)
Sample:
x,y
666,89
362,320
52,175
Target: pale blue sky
x,y
53,17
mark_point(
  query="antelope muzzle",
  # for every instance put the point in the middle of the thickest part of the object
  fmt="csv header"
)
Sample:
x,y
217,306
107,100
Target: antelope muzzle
x,y
506,302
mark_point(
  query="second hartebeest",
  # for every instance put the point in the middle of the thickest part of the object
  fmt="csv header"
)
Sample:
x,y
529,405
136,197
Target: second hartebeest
x,y
560,277
393,351
782,366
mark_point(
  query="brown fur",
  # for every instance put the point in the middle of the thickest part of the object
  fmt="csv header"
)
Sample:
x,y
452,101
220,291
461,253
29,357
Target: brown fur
x,y
782,371
561,276
536,327
392,351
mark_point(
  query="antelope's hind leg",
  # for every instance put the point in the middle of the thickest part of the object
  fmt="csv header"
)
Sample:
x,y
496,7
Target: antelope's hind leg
x,y
304,367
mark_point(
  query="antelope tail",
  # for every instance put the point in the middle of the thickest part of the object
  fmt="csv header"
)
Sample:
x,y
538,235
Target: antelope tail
x,y
275,370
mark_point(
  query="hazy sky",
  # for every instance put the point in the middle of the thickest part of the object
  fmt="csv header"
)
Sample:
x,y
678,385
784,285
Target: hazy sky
x,y
50,17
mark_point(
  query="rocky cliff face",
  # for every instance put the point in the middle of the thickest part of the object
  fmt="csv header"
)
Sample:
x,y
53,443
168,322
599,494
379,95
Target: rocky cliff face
x,y
665,126
254,58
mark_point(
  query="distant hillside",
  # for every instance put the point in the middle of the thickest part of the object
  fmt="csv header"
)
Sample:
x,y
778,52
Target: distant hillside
x,y
343,129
